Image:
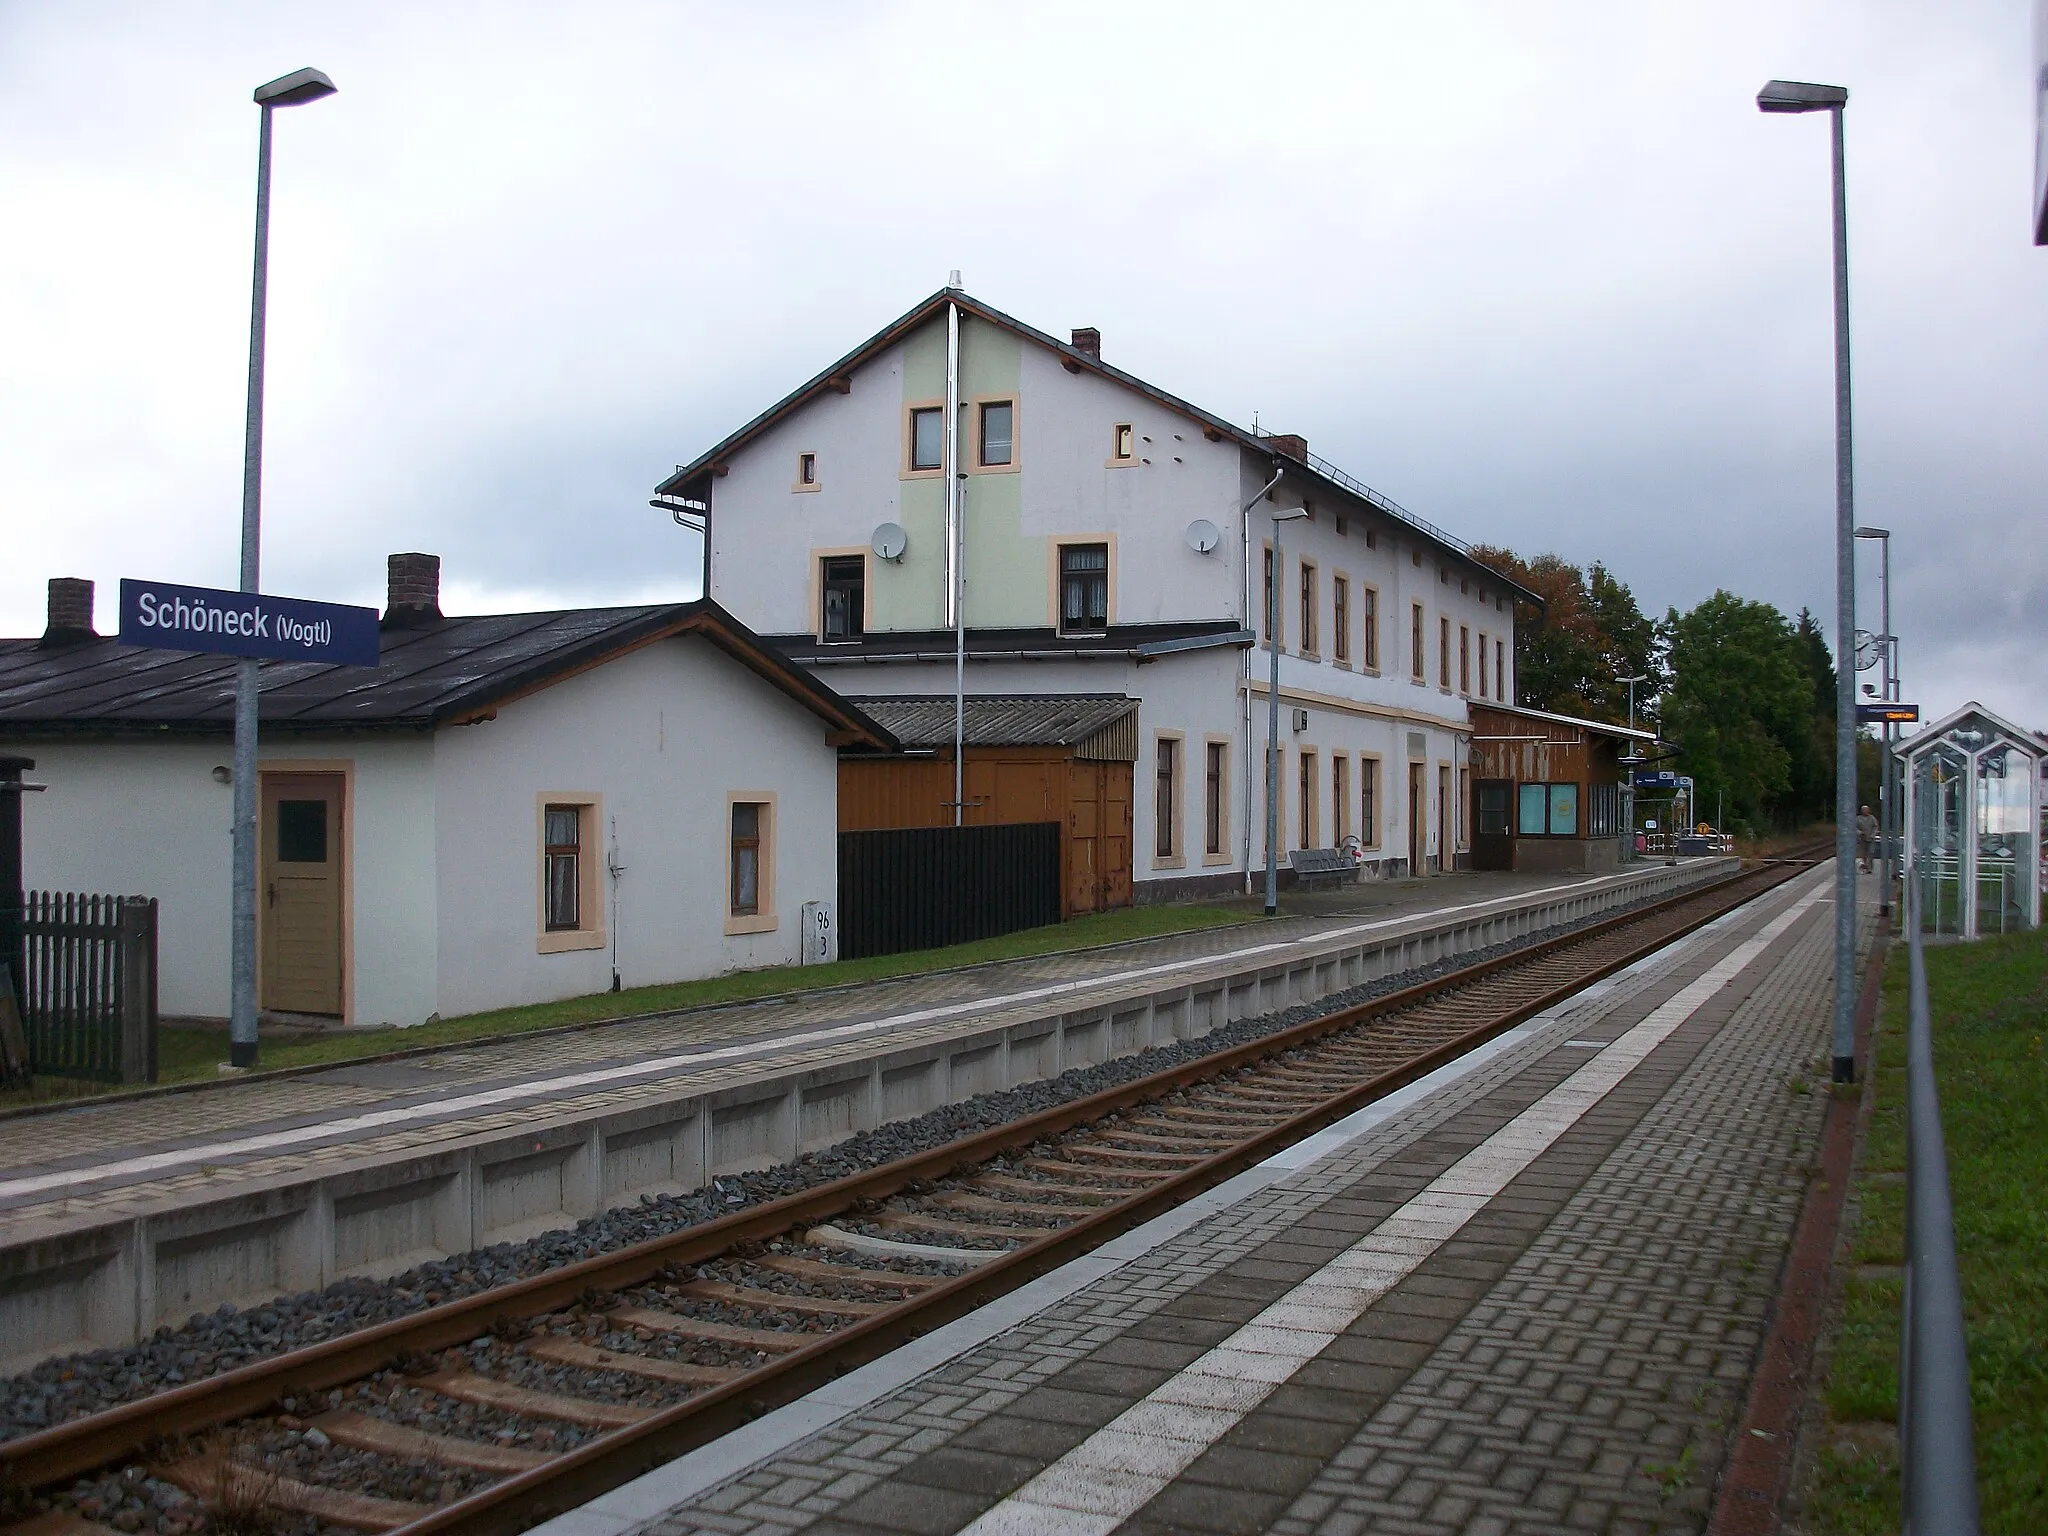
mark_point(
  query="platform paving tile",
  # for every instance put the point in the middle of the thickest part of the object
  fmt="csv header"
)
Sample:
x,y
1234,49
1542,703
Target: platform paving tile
x,y
1202,1277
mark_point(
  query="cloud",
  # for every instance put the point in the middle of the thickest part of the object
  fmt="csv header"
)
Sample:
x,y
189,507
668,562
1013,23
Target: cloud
x,y
1543,275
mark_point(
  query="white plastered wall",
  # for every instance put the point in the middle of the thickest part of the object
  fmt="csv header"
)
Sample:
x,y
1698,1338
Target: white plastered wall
x,y
663,735
147,818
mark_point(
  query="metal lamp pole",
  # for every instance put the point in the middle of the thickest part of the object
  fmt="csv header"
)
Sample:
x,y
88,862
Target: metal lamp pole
x,y
1273,714
1628,788
289,91
1886,800
1798,96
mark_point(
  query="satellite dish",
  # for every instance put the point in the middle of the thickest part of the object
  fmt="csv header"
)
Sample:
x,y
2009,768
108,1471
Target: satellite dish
x,y
1202,536
890,541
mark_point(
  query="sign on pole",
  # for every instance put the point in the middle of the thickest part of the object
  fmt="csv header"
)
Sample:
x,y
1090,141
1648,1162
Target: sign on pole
x,y
170,617
1887,714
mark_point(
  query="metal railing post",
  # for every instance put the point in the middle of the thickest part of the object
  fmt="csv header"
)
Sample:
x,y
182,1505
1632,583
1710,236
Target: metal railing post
x,y
1937,1457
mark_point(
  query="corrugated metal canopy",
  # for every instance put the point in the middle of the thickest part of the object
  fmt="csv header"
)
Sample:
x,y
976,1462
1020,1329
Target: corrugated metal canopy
x,y
1000,720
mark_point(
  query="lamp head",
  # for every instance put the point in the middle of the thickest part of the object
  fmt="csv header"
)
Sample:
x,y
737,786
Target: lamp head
x,y
1799,96
301,85
1294,514
1873,533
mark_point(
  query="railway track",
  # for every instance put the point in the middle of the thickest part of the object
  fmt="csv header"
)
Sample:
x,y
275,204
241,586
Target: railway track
x,y
482,1416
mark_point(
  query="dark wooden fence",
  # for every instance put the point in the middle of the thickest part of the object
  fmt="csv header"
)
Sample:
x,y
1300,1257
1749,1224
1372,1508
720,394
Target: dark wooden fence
x,y
921,887
89,979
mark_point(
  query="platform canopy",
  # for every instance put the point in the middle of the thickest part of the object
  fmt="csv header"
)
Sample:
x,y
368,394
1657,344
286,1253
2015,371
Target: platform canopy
x,y
1974,823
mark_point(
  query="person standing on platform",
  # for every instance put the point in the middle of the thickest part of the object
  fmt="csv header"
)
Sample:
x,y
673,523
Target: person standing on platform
x,y
1866,838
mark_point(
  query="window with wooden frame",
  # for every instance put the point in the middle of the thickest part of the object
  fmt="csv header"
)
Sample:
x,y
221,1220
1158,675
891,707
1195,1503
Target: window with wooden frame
x,y
1369,628
1416,661
750,861
1166,800
1482,663
1340,619
1215,801
1123,444
571,907
842,597
562,868
1500,671
1084,588
1307,830
1308,608
927,437
806,472
1546,810
1340,797
996,434
1464,658
1443,652
1368,801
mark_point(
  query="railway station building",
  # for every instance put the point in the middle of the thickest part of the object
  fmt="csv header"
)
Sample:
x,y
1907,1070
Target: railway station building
x,y
508,809
1083,538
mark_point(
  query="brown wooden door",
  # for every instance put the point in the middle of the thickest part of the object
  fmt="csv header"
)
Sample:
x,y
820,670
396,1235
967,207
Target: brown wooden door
x,y
1418,823
301,891
1098,862
1116,834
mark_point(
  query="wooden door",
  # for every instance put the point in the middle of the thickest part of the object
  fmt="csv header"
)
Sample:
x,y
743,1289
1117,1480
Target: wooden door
x,y
301,891
1493,840
1418,824
1116,832
1098,861
1446,808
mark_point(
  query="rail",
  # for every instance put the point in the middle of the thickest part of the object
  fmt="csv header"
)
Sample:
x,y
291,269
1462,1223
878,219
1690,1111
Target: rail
x,y
1936,1451
1385,504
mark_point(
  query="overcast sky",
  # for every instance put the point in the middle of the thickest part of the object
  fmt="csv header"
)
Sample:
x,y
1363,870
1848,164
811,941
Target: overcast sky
x,y
1538,271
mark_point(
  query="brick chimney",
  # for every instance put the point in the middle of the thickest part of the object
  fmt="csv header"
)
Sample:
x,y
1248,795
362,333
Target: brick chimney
x,y
1088,339
412,590
1293,444
70,611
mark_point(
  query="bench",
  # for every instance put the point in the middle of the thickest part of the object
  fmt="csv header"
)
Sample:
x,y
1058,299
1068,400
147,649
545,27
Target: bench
x,y
1313,864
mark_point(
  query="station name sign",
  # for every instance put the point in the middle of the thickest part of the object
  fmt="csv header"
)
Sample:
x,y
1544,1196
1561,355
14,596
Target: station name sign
x,y
166,616
1887,714
1656,778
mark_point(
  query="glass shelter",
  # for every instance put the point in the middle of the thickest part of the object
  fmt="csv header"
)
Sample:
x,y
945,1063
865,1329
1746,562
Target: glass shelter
x,y
1974,823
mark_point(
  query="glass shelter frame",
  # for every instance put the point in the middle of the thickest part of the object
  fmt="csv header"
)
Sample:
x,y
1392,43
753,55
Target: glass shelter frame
x,y
1973,822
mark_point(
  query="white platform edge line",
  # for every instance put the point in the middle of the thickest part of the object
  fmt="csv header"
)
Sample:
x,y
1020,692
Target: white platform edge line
x,y
653,1494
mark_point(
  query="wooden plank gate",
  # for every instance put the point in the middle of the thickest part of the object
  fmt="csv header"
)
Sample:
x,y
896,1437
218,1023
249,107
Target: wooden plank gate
x,y
923,887
89,984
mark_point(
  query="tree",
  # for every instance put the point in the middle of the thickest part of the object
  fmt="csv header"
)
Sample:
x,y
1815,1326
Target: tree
x,y
1813,766
1570,653
1740,705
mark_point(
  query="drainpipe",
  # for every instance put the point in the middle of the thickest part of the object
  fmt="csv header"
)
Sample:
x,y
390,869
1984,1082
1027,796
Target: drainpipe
x,y
1245,682
955,550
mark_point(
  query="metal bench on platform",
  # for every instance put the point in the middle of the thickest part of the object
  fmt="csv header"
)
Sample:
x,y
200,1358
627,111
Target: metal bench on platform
x,y
1313,864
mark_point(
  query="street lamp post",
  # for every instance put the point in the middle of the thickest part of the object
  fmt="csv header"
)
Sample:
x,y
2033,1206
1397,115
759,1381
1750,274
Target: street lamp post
x,y
1798,96
289,91
1629,761
1887,800
1273,589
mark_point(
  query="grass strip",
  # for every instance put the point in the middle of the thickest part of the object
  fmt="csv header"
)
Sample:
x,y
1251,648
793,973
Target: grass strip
x,y
194,1054
1989,1003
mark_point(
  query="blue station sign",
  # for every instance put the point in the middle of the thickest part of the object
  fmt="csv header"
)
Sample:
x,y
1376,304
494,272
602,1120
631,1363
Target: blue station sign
x,y
1657,778
166,616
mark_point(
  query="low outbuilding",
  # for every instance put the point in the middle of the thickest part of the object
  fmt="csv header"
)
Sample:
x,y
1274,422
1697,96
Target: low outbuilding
x,y
508,808
1546,789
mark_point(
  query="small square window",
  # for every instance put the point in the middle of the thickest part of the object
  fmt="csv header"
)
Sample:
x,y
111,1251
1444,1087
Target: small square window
x,y
998,433
927,433
1372,538
1120,439
807,469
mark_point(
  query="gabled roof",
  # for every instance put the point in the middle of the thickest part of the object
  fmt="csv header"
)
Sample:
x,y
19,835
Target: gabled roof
x,y
440,672
1305,465
1934,730
1000,720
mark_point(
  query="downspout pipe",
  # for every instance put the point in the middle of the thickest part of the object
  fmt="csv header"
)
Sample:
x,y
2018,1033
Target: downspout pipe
x,y
955,550
1245,682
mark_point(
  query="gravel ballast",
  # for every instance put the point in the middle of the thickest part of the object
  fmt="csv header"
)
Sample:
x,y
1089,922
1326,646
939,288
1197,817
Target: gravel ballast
x,y
70,1386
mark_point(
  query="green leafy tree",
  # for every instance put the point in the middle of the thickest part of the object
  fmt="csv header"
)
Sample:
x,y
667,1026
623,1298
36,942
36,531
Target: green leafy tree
x,y
1740,704
1813,762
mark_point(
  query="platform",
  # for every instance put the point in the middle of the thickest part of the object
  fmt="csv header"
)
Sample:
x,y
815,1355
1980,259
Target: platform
x,y
1525,1294
120,1216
